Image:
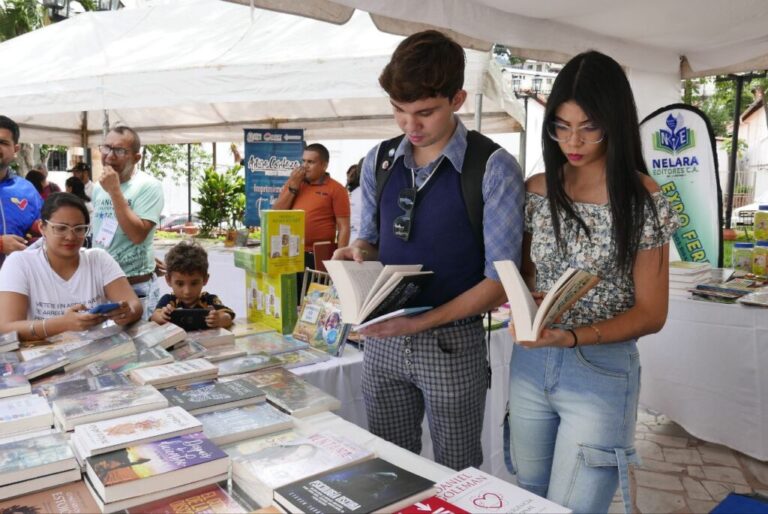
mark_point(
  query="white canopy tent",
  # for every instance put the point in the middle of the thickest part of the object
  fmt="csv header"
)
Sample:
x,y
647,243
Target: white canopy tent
x,y
203,70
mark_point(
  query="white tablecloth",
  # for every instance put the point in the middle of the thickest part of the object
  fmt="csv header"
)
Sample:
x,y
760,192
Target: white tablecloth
x,y
708,371
341,377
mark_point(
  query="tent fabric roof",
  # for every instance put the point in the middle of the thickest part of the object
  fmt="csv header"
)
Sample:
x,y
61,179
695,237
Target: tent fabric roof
x,y
691,37
203,70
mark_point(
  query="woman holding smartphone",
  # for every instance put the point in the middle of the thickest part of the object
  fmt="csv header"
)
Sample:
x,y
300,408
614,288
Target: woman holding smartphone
x,y
49,289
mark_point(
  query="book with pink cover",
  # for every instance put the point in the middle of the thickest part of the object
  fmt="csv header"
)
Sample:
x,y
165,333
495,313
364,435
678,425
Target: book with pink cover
x,y
208,500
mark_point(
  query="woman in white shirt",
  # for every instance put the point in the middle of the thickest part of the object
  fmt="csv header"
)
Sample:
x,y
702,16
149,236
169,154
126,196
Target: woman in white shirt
x,y
48,290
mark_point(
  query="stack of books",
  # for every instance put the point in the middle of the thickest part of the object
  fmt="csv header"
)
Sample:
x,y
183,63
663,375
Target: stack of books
x,y
9,342
71,411
684,275
212,337
72,384
204,397
207,500
160,335
230,426
24,413
99,350
727,291
47,364
14,385
62,499
175,373
189,349
34,464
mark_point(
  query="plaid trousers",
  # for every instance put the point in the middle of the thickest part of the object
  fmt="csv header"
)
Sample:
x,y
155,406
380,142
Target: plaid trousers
x,y
443,372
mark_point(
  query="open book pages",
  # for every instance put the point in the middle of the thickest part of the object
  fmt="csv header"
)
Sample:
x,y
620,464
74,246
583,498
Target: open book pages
x,y
528,319
369,289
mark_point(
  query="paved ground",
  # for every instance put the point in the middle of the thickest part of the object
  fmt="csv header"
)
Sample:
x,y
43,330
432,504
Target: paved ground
x,y
682,474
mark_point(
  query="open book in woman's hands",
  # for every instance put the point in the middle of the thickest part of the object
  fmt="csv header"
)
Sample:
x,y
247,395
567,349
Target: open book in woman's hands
x,y
528,319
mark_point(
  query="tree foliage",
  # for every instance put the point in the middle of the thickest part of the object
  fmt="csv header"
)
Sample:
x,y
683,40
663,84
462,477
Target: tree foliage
x,y
164,161
717,98
221,199
18,17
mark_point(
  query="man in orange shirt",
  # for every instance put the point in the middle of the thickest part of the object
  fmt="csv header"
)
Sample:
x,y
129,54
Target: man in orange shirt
x,y
326,202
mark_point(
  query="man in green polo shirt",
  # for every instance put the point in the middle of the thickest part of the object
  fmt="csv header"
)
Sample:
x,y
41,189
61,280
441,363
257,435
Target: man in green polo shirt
x,y
126,209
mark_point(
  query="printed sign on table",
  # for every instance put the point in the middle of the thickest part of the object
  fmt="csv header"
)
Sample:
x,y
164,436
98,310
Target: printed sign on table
x,y
270,156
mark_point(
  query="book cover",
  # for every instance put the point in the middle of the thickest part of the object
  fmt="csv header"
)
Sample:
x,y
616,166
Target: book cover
x,y
369,289
302,358
243,327
271,300
320,323
758,299
481,493
23,412
7,368
29,458
139,327
282,241
71,498
275,466
736,286
103,404
9,358
688,267
291,394
207,500
174,371
14,385
370,486
220,353
227,426
120,432
162,335
40,366
153,459
269,343
76,385
212,337
8,338
432,504
188,350
105,329
247,364
207,397
101,349
33,352
244,449
530,319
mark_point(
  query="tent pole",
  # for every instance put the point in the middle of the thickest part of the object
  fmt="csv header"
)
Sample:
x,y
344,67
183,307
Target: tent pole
x,y
105,125
478,111
739,79
189,183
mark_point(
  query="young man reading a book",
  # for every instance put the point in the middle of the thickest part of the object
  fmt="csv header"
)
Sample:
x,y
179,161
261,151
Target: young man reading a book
x,y
435,360
187,273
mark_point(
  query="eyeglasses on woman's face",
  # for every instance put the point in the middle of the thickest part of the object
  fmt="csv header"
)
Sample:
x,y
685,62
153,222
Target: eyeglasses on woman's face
x,y
588,133
62,229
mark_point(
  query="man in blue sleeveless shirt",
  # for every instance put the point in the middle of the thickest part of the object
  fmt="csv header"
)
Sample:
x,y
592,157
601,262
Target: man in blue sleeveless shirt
x,y
20,202
434,362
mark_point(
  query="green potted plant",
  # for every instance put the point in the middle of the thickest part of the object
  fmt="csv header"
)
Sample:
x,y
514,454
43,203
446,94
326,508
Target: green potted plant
x,y
214,199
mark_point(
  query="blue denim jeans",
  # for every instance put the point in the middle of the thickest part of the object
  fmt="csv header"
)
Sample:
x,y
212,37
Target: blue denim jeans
x,y
149,294
572,415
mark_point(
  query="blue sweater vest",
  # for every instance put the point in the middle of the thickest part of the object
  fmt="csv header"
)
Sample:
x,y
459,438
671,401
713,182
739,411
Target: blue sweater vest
x,y
441,237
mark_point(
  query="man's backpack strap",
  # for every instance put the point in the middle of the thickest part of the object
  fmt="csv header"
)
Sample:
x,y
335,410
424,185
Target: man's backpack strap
x,y
479,150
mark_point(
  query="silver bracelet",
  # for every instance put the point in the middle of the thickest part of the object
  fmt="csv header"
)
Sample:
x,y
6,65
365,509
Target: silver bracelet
x,y
32,332
45,332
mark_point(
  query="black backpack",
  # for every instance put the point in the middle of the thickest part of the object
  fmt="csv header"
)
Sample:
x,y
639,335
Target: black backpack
x,y
479,150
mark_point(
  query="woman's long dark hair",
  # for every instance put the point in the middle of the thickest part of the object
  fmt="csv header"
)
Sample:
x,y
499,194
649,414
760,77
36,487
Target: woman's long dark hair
x,y
599,86
78,188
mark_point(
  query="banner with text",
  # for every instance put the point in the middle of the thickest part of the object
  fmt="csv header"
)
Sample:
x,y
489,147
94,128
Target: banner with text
x,y
270,156
679,150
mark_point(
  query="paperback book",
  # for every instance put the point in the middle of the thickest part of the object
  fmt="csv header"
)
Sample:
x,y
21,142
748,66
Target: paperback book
x,y
9,341
145,357
212,337
76,385
370,290
167,375
41,366
105,329
72,498
275,466
23,413
32,458
229,426
9,358
139,327
370,486
209,397
14,385
478,492
221,353
188,350
100,350
90,407
528,318
113,434
28,353
247,364
39,483
302,358
269,343
758,299
163,335
282,241
244,449
153,467
242,327
208,500
291,394
320,323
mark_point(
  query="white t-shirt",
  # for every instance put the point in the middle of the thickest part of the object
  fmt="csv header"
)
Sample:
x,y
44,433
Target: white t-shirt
x,y
356,211
49,295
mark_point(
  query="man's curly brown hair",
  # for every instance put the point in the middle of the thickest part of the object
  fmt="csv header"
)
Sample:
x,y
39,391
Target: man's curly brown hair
x,y
187,257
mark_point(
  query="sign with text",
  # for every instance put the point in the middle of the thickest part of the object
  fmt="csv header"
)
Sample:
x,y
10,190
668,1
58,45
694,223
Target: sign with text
x,y
679,151
270,156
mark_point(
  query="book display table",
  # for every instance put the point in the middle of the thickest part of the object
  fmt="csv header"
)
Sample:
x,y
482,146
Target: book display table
x,y
342,377
706,370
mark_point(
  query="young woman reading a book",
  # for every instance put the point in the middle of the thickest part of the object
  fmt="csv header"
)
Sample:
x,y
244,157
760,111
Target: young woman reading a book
x,y
574,390
47,290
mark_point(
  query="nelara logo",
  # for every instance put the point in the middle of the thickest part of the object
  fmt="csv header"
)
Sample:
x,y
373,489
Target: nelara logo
x,y
675,139
22,204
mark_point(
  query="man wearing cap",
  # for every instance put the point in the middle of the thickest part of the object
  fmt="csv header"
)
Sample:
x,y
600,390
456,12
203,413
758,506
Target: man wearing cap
x,y
126,209
82,171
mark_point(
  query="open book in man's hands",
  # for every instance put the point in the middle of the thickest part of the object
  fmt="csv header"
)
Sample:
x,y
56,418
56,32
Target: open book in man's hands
x,y
371,292
528,319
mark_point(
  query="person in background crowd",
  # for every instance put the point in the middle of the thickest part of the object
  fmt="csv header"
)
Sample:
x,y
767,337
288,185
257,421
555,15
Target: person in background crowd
x,y
82,171
435,361
355,199
126,209
37,179
573,392
49,289
20,203
48,187
75,186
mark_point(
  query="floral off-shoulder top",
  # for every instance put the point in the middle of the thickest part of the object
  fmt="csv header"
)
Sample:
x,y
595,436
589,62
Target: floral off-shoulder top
x,y
615,292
